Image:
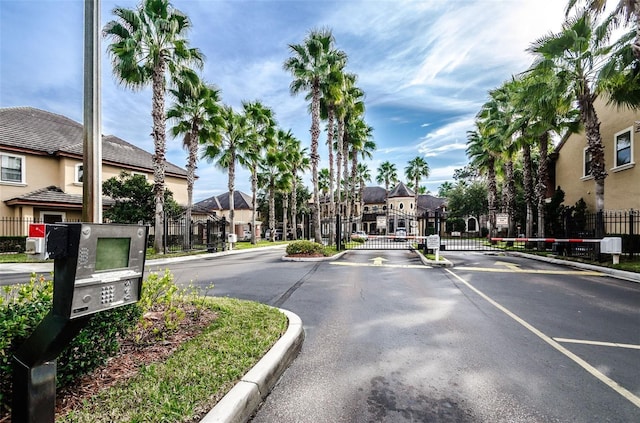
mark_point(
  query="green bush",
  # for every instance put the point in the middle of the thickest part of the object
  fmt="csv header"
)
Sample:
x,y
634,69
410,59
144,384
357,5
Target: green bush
x,y
305,248
22,307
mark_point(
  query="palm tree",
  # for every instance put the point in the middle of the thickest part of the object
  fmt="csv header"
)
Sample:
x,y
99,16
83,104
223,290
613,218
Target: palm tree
x,y
275,176
229,145
629,9
310,65
147,45
415,171
363,175
481,150
578,54
298,161
262,132
195,106
387,175
351,106
361,145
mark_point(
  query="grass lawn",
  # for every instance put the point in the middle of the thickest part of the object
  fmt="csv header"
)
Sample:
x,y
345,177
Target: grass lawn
x,y
185,386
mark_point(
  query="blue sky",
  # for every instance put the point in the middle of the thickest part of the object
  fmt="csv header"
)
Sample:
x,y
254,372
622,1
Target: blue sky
x,y
425,67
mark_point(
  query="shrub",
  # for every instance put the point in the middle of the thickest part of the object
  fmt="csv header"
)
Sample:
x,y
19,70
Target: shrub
x,y
305,248
22,307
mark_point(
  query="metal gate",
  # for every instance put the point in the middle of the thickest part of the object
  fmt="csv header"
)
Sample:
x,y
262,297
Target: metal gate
x,y
393,230
385,230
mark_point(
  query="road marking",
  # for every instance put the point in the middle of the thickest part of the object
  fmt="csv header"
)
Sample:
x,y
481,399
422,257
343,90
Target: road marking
x,y
399,266
542,272
511,266
599,343
378,261
588,367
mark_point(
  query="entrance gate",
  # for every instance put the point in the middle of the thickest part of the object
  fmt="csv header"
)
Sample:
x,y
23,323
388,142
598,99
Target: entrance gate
x,y
384,231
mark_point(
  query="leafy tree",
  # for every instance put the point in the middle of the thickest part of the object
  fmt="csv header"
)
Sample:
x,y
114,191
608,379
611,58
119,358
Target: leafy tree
x,y
134,199
149,44
467,199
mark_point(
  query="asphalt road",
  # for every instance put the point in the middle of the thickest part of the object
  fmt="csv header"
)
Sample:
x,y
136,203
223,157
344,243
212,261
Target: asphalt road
x,y
495,339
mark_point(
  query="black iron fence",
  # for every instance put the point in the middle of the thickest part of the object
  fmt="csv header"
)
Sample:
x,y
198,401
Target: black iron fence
x,y
179,235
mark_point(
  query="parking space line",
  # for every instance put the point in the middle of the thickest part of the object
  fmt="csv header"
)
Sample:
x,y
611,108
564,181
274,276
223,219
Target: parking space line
x,y
579,361
599,343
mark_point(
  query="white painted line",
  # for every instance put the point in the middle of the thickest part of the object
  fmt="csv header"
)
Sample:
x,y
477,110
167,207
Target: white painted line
x,y
588,367
399,266
599,343
535,271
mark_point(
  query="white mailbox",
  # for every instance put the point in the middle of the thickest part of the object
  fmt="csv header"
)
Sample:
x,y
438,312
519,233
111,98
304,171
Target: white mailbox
x,y
611,245
232,238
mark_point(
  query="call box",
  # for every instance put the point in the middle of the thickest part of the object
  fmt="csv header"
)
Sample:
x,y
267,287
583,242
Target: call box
x,y
109,266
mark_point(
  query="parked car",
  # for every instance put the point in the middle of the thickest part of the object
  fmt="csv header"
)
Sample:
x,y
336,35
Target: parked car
x,y
360,235
401,235
246,236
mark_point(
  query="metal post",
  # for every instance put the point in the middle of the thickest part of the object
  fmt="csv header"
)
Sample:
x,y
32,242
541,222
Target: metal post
x,y
92,132
338,233
631,233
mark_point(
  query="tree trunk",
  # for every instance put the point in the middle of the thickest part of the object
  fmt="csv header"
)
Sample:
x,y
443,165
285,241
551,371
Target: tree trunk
x,y
493,194
541,186
272,214
232,182
254,202
595,147
315,158
511,197
528,188
159,139
332,204
339,154
285,213
191,170
294,205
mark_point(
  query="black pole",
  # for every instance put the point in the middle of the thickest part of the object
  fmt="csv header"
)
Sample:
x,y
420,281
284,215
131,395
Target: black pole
x,y
338,233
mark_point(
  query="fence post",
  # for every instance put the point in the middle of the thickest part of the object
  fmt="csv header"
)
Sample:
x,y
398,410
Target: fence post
x,y
631,242
338,233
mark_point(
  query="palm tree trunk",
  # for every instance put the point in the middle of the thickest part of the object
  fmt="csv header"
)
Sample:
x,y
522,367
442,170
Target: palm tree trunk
x,y
541,186
528,188
294,205
493,194
315,158
285,215
594,141
339,161
158,115
232,184
191,170
254,202
636,43
511,196
272,214
332,203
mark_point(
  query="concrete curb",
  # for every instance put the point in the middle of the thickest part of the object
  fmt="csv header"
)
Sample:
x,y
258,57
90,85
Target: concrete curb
x,y
246,396
618,274
331,258
443,262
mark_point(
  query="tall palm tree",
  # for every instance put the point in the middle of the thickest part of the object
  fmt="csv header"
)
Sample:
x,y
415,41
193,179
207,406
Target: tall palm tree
x,y
482,152
148,44
298,161
228,147
578,54
415,171
363,175
350,107
262,130
195,106
361,145
310,65
387,175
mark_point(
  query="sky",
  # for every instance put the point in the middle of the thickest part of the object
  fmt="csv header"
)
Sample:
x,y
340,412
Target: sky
x,y
426,68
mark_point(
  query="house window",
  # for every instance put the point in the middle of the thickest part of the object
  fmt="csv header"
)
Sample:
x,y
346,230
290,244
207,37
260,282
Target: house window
x,y
587,163
401,206
12,168
366,208
79,173
623,148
